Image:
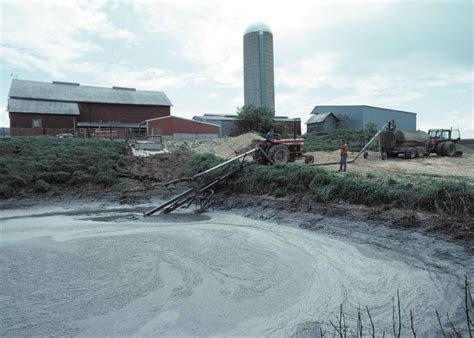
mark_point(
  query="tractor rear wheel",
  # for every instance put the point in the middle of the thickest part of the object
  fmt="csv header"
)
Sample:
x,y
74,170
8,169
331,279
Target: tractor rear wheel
x,y
410,153
449,149
279,154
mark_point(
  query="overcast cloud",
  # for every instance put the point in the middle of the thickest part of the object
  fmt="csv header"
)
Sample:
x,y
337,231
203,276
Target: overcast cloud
x,y
414,56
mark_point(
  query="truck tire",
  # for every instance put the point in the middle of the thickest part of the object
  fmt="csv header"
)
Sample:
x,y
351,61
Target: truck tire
x,y
420,151
410,153
449,149
279,154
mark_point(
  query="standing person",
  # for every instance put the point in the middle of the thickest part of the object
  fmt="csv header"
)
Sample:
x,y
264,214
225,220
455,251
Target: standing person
x,y
343,162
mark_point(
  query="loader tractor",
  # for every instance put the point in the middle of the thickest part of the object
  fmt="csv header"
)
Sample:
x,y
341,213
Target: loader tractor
x,y
442,142
280,151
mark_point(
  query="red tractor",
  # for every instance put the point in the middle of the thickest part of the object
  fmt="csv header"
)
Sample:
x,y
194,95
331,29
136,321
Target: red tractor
x,y
443,142
280,151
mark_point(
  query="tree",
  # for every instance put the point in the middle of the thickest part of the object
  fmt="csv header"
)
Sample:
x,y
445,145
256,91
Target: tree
x,y
259,119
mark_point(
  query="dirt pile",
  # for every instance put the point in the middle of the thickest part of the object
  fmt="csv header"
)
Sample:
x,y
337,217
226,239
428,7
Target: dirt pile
x,y
223,147
159,168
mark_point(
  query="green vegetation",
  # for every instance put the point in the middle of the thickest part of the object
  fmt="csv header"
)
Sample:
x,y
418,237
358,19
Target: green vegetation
x,y
450,196
259,119
47,163
330,140
200,162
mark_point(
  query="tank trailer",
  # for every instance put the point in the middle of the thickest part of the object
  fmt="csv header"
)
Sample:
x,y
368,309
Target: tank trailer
x,y
412,144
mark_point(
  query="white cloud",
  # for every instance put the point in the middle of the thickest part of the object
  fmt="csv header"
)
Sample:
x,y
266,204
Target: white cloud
x,y
462,120
4,119
51,35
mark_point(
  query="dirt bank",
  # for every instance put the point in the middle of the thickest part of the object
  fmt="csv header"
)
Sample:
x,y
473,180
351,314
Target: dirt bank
x,y
300,209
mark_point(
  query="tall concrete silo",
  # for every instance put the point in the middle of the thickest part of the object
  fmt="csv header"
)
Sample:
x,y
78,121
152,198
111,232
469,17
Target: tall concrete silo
x,y
259,83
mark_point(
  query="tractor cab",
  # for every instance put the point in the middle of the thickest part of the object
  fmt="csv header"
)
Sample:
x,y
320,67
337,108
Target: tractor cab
x,y
443,142
444,134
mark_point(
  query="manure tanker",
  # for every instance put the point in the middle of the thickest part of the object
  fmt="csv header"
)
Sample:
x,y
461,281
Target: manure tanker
x,y
413,144
409,143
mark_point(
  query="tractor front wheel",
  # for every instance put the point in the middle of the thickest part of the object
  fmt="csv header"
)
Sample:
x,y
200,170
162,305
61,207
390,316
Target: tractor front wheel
x,y
279,154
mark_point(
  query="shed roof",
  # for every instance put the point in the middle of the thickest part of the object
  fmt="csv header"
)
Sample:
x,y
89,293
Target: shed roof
x,y
42,107
318,118
315,109
73,92
182,118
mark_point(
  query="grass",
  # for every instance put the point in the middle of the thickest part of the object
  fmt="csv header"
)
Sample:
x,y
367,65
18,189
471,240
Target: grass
x,y
331,140
452,197
47,163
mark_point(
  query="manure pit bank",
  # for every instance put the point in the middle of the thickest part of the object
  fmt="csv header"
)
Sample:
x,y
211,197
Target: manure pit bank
x,y
103,270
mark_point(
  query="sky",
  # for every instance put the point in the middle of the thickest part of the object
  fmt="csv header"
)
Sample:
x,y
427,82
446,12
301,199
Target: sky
x,y
415,56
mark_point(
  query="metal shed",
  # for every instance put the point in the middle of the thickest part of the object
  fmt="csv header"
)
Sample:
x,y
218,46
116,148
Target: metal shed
x,y
320,122
357,116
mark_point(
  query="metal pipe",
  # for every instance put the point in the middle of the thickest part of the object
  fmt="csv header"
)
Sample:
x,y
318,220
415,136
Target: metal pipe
x,y
224,163
176,203
358,154
368,143
168,203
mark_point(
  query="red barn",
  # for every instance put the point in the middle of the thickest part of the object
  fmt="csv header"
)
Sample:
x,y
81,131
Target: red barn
x,y
181,128
37,108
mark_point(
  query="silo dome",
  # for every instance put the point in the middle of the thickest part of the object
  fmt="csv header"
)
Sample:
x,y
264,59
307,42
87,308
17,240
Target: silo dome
x,y
257,27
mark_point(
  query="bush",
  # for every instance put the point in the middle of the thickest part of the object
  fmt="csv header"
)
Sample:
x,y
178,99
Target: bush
x,y
14,181
42,186
5,191
80,177
58,177
330,140
106,178
201,162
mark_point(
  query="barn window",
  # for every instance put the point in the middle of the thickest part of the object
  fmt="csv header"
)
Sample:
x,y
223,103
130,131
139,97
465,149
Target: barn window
x,y
36,123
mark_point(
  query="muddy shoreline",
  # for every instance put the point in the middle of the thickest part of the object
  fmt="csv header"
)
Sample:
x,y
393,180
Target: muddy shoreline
x,y
300,210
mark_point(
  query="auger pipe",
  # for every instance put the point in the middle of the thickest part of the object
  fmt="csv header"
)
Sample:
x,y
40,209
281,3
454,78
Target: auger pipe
x,y
176,204
358,154
224,163
168,203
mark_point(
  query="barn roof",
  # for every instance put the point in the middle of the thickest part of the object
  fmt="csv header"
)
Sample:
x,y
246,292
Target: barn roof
x,y
73,92
320,118
42,107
